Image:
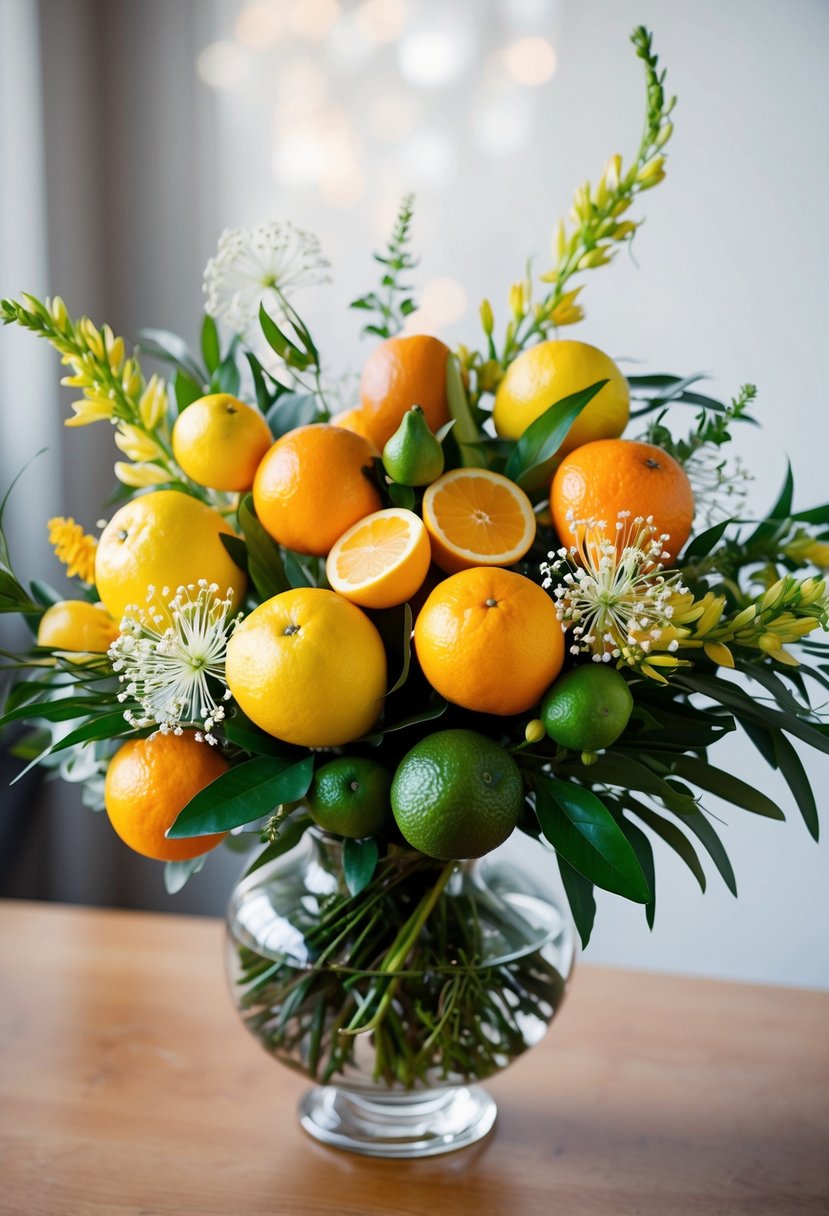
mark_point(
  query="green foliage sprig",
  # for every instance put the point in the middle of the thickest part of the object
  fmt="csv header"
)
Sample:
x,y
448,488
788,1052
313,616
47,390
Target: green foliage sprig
x,y
393,301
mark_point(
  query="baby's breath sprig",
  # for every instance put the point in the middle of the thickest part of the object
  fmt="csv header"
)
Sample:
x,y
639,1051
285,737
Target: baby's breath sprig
x,y
597,231
112,385
170,659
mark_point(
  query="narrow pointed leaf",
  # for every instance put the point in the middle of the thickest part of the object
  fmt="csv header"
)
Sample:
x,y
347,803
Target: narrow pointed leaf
x,y
792,769
359,862
242,795
672,835
644,851
579,892
531,462
727,786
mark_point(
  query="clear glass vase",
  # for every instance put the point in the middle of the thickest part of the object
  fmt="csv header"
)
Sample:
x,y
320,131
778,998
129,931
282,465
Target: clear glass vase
x,y
398,1001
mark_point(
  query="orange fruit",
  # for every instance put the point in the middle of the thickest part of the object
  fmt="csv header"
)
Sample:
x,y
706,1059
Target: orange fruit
x,y
352,420
602,479
477,518
400,373
77,625
164,539
308,667
489,640
552,370
218,441
149,781
382,560
313,485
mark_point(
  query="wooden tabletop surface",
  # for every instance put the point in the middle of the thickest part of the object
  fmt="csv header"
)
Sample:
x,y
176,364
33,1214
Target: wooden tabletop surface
x,y
128,1086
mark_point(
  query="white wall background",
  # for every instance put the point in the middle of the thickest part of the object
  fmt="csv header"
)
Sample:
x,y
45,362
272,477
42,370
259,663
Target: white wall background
x,y
322,111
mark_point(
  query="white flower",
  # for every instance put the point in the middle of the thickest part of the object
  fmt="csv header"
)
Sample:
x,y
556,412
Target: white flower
x,y
173,664
613,597
720,487
261,265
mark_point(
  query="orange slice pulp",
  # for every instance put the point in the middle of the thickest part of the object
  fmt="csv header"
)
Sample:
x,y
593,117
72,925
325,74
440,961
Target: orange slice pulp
x,y
475,517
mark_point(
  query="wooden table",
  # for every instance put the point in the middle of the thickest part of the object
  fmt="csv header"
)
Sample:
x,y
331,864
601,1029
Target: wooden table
x,y
128,1086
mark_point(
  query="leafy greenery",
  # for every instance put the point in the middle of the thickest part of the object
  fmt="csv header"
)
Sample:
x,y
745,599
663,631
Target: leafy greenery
x,y
392,302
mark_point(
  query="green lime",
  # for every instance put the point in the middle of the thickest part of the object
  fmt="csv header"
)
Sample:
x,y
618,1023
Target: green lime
x,y
588,708
350,796
456,794
413,456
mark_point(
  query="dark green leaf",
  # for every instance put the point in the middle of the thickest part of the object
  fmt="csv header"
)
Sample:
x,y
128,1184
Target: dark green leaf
x,y
401,496
227,376
359,862
672,836
699,824
579,892
745,706
584,832
106,726
814,515
298,576
236,548
533,457
171,349
726,786
63,709
176,873
791,767
435,710
43,594
702,544
406,648
291,832
242,795
264,396
291,410
239,730
185,389
265,564
621,769
644,852
279,342
210,349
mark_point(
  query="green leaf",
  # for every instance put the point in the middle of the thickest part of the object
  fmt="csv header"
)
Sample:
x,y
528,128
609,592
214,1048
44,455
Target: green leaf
x,y
291,410
621,769
702,544
644,851
265,564
210,348
291,832
401,496
105,726
406,650
227,378
359,863
264,396
579,892
533,457
281,343
171,349
236,548
176,873
435,710
64,709
186,390
242,795
298,576
239,730
745,706
466,432
584,832
791,767
672,836
710,841
726,786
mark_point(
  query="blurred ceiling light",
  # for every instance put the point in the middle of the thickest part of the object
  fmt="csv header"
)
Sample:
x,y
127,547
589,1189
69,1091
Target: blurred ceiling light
x,y
428,157
314,18
433,57
302,88
531,61
342,186
503,124
320,149
348,46
530,14
259,26
393,116
443,301
222,65
381,20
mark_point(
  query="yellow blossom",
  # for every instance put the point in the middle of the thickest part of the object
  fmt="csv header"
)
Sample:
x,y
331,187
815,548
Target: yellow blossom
x,y
74,547
141,476
136,444
90,409
809,551
487,318
153,403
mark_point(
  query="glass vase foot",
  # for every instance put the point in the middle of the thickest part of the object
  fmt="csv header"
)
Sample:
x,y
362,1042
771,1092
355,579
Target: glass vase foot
x,y
397,1125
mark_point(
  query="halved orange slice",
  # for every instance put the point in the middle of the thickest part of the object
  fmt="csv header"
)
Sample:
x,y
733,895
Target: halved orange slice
x,y
382,560
477,518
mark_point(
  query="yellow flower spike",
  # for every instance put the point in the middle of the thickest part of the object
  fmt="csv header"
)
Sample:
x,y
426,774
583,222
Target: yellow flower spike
x,y
140,476
487,317
91,337
712,614
135,444
613,172
622,231
153,404
719,653
57,311
115,353
518,300
560,241
807,549
774,596
90,409
621,207
654,168
664,135
744,617
74,547
80,381
595,257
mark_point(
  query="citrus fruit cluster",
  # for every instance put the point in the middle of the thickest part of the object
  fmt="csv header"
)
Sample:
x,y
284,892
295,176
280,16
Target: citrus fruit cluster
x,y
372,497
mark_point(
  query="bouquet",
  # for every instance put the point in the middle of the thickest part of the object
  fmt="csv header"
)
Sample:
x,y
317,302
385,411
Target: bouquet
x,y
503,588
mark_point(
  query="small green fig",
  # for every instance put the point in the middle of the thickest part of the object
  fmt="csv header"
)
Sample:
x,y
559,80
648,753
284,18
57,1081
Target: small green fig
x,y
413,456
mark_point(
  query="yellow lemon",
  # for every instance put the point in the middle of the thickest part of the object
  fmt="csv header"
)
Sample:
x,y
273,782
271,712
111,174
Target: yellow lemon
x,y
164,539
219,441
552,370
77,625
308,667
